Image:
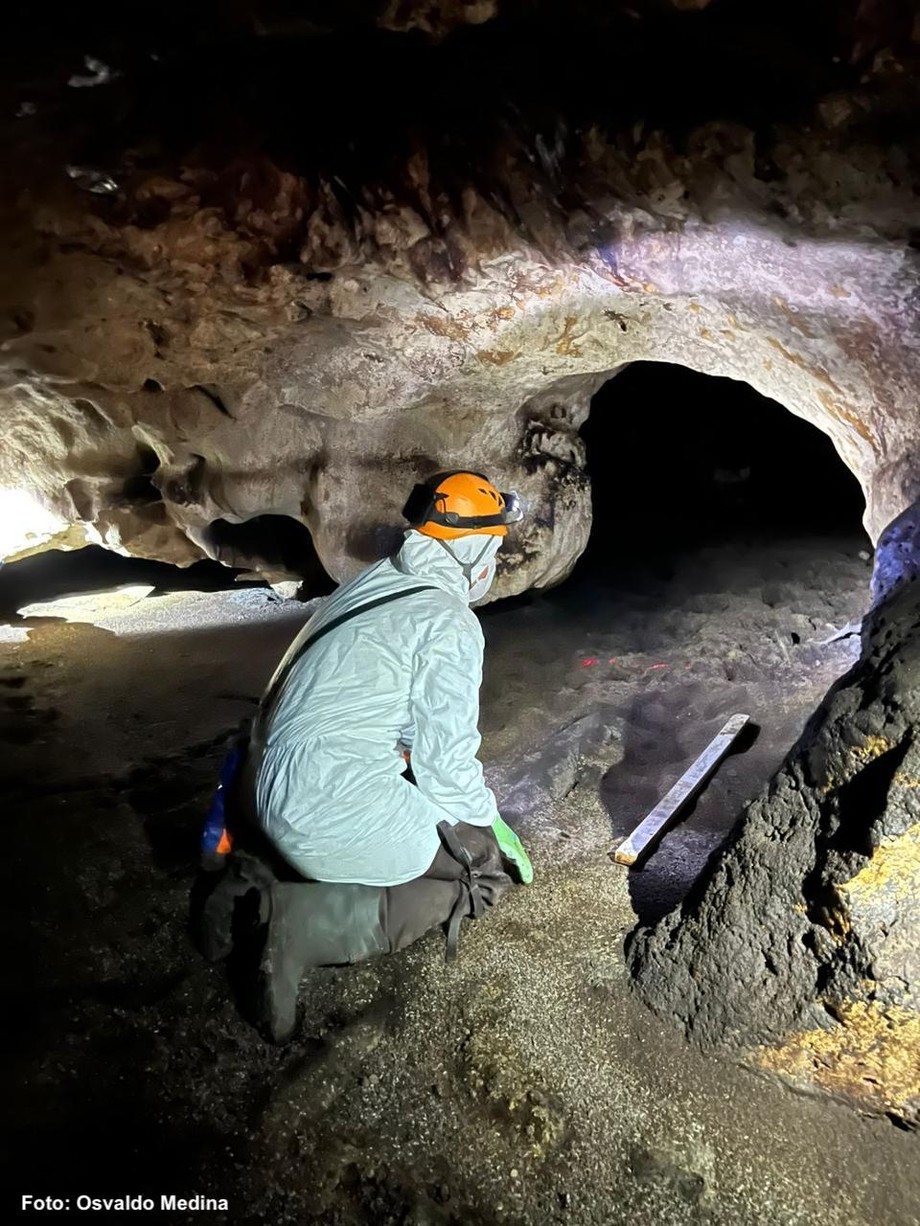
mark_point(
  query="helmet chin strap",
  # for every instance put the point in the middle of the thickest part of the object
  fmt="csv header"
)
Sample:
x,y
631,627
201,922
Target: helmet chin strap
x,y
468,567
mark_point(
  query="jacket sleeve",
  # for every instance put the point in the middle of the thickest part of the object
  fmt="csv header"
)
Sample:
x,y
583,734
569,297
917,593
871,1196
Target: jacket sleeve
x,y
447,674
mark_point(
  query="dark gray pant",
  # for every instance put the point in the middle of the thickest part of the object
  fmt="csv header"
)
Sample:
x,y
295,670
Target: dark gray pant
x,y
465,878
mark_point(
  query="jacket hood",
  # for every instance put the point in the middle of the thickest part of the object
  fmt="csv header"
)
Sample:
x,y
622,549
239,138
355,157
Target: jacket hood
x,y
425,558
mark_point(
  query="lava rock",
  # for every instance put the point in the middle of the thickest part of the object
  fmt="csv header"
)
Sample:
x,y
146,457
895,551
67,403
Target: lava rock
x,y
800,943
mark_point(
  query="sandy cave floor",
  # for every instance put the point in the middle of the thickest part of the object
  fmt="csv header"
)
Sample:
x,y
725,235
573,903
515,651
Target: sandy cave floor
x,y
522,1084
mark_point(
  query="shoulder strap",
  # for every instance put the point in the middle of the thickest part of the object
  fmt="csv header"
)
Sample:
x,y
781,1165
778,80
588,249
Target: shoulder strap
x,y
334,625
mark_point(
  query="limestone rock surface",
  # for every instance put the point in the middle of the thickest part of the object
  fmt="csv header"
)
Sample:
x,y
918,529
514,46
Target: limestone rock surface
x,y
192,338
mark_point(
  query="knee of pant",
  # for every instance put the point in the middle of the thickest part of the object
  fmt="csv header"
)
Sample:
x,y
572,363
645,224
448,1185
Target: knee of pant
x,y
493,886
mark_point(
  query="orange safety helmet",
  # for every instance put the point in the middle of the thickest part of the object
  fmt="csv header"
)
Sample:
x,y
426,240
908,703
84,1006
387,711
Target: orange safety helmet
x,y
453,504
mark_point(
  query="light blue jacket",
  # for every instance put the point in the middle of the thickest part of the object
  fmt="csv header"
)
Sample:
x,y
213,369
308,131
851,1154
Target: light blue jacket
x,y
329,790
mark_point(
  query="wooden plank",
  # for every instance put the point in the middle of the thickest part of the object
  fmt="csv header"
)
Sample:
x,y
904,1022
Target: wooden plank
x,y
647,833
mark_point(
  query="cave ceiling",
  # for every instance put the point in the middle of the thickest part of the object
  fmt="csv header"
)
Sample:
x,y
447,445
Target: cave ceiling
x,y
282,259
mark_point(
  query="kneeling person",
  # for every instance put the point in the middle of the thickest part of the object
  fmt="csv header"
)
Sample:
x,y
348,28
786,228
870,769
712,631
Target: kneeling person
x,y
390,666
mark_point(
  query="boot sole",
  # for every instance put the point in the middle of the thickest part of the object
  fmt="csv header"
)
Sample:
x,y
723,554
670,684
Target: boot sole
x,y
277,1002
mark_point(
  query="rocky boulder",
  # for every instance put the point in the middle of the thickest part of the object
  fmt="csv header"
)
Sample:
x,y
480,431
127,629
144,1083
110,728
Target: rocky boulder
x,y
801,943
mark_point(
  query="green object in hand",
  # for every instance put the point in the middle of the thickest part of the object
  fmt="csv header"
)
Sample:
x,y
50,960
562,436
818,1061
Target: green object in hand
x,y
512,849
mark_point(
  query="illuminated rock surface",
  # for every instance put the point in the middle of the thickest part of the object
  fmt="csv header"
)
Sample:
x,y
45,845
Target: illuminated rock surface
x,y
193,337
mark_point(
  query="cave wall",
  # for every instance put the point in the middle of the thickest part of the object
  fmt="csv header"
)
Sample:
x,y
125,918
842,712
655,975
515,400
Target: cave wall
x,y
257,263
195,338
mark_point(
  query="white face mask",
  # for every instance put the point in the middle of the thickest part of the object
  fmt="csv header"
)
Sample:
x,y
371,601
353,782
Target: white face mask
x,y
476,556
482,582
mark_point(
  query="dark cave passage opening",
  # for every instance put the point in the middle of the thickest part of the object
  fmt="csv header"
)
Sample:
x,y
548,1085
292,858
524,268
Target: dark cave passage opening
x,y
268,543
680,460
727,551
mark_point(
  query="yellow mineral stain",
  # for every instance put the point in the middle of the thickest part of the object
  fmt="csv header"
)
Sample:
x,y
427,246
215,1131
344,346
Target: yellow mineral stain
x,y
869,1056
842,413
872,747
567,345
705,334
839,292
794,318
454,329
496,357
803,364
894,867
550,289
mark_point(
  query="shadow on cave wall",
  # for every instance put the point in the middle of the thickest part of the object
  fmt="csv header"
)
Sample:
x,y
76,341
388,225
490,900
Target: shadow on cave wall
x,y
48,576
268,542
233,75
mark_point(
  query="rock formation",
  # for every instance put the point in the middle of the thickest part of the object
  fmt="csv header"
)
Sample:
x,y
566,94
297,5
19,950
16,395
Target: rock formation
x,y
801,944
206,321
262,265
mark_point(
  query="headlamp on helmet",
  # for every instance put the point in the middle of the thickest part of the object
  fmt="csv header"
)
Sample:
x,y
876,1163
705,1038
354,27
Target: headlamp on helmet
x,y
454,504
